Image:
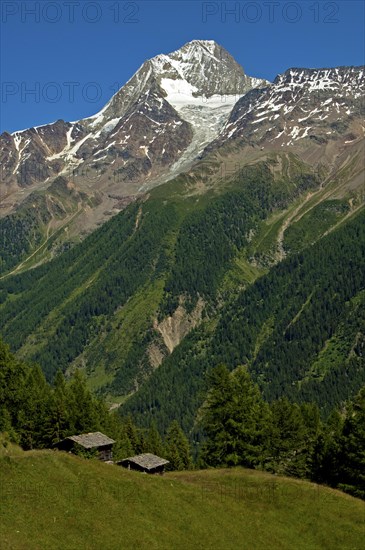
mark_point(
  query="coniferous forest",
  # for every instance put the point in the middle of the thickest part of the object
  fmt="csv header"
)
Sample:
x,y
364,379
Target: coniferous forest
x,y
237,426
272,374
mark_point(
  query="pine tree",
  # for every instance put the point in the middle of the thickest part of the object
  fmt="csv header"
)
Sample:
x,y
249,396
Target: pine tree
x,y
214,416
131,436
58,422
177,448
288,439
326,451
235,419
6,425
83,416
32,417
249,422
352,453
13,376
154,442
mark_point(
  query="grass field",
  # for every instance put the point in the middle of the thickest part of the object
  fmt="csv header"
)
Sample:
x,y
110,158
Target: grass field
x,y
51,500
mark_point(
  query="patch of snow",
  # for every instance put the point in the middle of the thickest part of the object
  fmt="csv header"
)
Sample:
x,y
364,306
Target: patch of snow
x,y
110,125
105,148
145,150
17,140
279,134
20,151
293,134
101,158
180,93
151,119
35,128
207,119
68,137
259,120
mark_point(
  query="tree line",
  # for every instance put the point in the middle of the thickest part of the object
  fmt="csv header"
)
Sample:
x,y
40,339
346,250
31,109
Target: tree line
x,y
242,429
36,415
235,426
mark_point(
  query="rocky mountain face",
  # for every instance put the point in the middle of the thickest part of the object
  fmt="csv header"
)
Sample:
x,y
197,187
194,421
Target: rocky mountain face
x,y
301,107
315,115
165,114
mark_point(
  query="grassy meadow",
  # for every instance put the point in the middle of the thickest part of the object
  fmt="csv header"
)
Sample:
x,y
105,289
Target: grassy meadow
x,y
52,500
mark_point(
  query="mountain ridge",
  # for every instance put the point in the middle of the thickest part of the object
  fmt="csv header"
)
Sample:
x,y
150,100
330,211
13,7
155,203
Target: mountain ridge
x,y
162,122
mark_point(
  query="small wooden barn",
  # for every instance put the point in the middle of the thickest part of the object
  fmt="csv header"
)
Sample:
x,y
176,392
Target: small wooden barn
x,y
93,441
148,463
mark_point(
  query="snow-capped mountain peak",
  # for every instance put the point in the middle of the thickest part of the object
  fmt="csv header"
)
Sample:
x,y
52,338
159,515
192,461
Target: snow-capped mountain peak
x,y
199,69
170,110
207,67
155,125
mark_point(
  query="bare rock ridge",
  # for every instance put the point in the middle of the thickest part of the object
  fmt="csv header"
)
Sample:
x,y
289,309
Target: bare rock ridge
x,y
317,104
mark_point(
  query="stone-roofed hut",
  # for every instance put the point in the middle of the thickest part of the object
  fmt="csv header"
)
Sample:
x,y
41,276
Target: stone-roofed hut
x,y
148,463
93,441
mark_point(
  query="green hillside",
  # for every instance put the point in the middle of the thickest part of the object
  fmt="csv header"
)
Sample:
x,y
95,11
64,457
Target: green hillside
x,y
35,232
52,313
300,328
57,501
214,253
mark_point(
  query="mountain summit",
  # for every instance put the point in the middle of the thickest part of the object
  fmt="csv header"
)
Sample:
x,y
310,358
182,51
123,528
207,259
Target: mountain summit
x,y
206,68
155,125
193,74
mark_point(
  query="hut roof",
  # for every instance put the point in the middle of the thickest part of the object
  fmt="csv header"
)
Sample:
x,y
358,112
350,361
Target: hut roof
x,y
147,461
91,440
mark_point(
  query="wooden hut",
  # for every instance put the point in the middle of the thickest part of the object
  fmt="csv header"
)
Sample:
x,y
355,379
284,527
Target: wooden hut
x,y
94,441
148,463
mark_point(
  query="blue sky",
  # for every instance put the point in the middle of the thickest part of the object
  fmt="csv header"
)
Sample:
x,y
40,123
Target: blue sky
x,y
65,59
